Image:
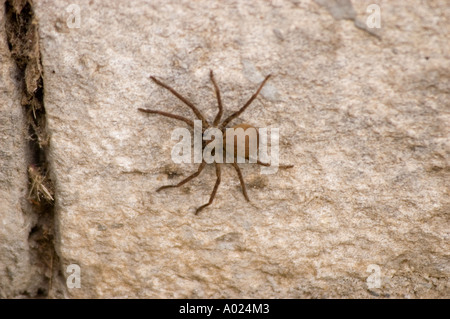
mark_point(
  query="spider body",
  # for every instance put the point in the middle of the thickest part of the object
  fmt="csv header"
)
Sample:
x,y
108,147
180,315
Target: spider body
x,y
217,124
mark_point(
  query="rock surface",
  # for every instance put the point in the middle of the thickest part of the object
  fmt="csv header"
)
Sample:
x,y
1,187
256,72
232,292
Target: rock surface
x,y
364,119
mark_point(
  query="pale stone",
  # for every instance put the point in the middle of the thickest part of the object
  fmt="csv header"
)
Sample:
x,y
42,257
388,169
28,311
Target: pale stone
x,y
365,210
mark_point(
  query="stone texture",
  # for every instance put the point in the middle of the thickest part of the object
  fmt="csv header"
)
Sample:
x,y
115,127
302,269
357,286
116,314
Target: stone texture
x,y
16,220
364,119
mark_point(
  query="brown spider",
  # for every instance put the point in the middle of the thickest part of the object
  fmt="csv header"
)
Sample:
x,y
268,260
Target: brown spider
x,y
205,125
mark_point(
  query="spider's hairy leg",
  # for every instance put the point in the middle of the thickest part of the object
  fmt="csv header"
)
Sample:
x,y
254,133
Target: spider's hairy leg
x,y
279,166
236,114
187,179
213,194
219,100
184,100
241,179
173,116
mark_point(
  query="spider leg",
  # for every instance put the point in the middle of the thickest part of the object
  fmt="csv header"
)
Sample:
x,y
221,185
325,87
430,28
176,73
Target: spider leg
x,y
219,100
241,179
173,116
268,164
213,194
236,114
185,101
187,179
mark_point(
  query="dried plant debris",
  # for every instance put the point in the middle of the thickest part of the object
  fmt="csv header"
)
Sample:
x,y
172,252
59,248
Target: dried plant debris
x,y
23,41
38,134
41,187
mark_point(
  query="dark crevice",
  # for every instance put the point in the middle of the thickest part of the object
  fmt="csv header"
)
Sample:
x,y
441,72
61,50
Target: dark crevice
x,y
23,42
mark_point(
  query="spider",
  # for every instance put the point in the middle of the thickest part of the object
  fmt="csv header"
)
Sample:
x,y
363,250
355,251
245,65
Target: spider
x,y
205,124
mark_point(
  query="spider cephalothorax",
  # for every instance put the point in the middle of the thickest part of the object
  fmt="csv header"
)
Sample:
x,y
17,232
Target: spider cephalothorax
x,y
205,125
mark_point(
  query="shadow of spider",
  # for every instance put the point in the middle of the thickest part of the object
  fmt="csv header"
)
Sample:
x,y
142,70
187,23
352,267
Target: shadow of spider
x,y
206,125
